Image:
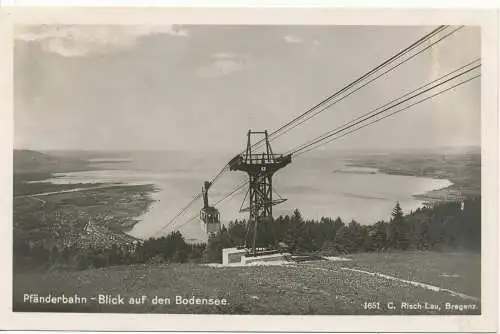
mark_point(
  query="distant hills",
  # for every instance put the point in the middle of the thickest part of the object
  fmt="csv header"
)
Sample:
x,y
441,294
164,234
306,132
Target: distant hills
x,y
34,162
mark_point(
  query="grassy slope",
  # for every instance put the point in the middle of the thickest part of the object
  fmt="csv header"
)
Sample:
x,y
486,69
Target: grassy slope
x,y
410,266
319,287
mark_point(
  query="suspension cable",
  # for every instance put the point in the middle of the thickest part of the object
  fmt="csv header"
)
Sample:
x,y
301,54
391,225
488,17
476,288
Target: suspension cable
x,y
171,221
196,197
310,147
307,114
365,84
285,128
230,194
302,149
310,142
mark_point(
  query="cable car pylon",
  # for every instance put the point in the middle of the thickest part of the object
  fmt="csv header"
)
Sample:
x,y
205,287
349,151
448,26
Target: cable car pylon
x,y
260,167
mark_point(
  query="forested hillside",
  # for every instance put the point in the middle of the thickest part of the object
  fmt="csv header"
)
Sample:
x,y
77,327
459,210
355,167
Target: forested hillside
x,y
437,227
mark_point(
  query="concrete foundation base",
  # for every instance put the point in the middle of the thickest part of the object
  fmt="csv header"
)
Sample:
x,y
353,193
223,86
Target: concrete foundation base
x,y
264,258
232,255
239,256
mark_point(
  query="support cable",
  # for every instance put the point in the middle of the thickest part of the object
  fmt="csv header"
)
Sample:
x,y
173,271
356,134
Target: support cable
x,y
319,144
393,102
286,128
228,195
196,197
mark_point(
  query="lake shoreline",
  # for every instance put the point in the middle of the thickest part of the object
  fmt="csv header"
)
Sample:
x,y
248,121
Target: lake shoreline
x,y
163,182
463,170
144,224
449,193
115,208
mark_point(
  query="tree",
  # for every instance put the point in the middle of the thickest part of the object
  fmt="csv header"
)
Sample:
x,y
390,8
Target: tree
x,y
355,237
297,215
298,236
397,212
342,240
237,232
180,256
399,235
213,250
173,242
379,236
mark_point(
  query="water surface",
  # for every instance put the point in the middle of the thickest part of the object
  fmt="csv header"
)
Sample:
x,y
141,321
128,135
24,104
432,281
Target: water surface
x,y
318,188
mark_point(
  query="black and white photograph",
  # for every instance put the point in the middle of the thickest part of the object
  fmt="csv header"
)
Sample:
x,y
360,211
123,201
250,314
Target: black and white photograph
x,y
236,169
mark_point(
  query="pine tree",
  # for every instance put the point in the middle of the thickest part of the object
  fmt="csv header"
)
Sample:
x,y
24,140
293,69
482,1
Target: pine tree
x,y
399,235
379,236
213,250
397,212
342,240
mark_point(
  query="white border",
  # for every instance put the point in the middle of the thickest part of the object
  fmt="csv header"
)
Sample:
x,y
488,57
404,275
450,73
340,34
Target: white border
x,y
487,19
361,4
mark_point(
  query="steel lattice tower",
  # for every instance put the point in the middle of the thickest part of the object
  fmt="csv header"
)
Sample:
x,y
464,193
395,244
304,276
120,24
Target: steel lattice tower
x,y
260,168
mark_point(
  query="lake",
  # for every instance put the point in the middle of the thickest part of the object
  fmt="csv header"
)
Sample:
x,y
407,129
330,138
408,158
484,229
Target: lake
x,y
317,186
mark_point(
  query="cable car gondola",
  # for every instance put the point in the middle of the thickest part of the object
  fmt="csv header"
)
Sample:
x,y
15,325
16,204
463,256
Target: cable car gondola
x,y
209,215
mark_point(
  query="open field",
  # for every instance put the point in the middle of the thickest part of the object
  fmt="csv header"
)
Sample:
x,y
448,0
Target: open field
x,y
315,287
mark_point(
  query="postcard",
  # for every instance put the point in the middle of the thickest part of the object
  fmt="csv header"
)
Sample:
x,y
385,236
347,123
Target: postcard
x,y
249,169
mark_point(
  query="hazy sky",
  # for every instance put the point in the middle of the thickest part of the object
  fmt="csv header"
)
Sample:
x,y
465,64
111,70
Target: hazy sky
x,y
202,87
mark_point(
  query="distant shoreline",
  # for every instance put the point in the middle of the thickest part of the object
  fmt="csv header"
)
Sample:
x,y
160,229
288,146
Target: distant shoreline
x,y
441,194
116,207
465,181
459,170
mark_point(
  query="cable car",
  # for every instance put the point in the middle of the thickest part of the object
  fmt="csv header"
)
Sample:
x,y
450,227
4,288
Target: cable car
x,y
209,215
